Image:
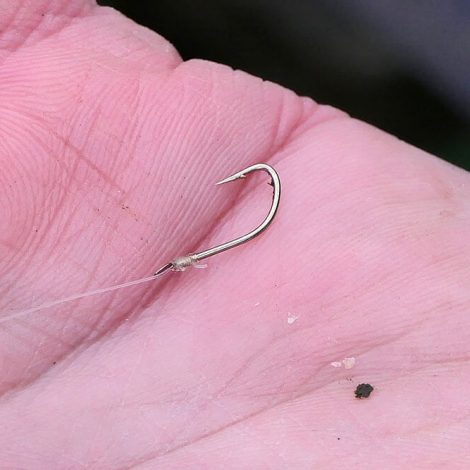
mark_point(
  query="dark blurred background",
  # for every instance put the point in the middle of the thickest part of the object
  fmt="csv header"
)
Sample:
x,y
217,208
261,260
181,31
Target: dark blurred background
x,y
402,65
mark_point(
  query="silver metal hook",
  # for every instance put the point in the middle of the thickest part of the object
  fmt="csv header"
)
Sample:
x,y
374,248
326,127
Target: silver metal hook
x,y
182,262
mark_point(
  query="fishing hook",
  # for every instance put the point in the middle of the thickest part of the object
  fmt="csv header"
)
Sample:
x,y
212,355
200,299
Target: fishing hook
x,y
180,263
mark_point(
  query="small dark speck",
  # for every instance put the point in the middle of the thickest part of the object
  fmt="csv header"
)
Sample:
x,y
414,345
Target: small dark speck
x,y
338,438
54,363
363,390
36,230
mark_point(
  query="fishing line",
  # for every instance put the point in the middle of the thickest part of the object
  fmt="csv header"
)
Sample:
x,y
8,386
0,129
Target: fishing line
x,y
70,298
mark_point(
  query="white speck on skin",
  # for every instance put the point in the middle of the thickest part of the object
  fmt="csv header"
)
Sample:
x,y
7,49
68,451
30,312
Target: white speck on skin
x,y
349,362
257,303
291,318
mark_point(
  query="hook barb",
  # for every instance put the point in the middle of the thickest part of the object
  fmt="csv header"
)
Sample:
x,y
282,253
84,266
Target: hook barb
x,y
182,262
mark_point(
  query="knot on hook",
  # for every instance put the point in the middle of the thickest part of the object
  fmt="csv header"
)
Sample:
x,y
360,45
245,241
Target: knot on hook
x,y
182,262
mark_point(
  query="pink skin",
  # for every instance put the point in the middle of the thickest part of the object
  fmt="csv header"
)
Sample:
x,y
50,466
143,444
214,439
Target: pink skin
x,y
109,148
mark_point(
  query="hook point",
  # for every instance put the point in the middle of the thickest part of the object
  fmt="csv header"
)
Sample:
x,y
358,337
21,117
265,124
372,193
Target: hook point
x,y
234,177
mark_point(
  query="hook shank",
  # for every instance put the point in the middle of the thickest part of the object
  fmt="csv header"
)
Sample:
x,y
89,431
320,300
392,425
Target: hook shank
x,y
182,262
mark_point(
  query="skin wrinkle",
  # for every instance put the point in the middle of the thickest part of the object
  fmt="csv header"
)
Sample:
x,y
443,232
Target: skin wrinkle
x,y
429,428
278,147
308,356
88,329
133,135
151,456
79,347
379,207
62,199
81,157
114,323
67,144
61,228
357,426
345,299
21,179
124,163
136,185
11,19
438,425
252,358
8,245
378,285
263,84
25,341
43,333
14,47
423,366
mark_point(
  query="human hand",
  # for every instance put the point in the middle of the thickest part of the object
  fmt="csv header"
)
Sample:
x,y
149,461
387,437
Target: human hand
x,y
109,149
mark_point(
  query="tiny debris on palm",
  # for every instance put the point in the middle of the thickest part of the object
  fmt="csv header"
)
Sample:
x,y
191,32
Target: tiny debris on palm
x,y
291,318
363,390
347,362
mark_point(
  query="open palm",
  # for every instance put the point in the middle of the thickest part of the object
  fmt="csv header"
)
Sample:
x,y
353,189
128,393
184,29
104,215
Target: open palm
x,y
109,148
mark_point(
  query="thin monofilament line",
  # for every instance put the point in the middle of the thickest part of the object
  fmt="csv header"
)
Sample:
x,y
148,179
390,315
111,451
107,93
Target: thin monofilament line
x,y
22,313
